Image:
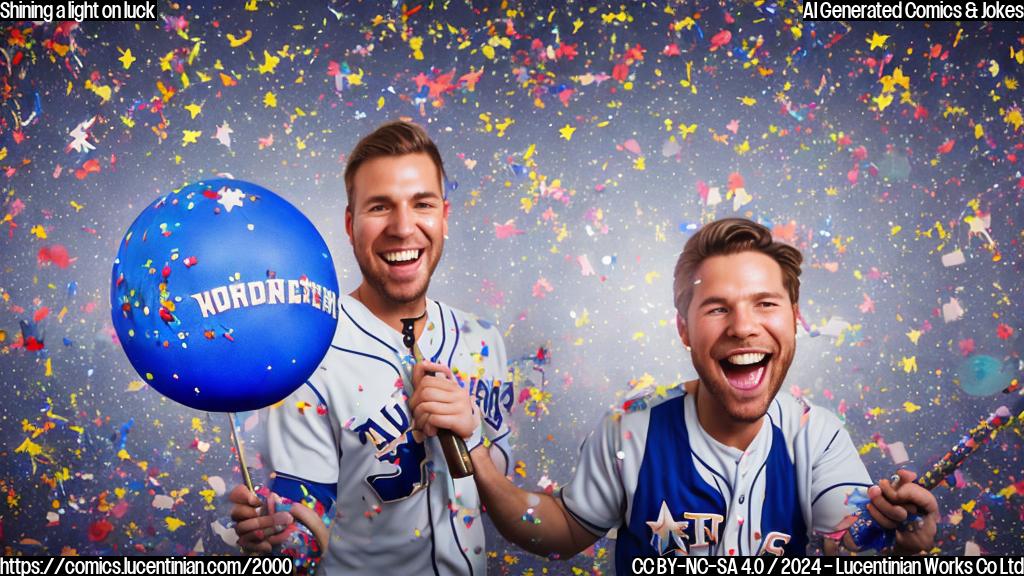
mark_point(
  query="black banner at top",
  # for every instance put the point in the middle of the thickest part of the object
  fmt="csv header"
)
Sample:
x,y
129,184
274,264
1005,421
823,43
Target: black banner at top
x,y
79,10
819,10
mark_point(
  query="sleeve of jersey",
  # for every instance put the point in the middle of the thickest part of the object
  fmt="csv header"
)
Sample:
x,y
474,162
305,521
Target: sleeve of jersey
x,y
496,405
303,453
837,471
595,496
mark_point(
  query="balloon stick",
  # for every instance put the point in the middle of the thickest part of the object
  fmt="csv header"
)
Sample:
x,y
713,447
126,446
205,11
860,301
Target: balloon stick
x,y
241,453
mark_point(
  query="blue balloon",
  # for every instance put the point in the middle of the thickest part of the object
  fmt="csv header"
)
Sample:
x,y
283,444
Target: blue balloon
x,y
983,375
224,296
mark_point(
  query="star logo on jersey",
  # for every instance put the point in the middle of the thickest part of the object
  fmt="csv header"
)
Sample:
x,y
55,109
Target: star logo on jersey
x,y
667,533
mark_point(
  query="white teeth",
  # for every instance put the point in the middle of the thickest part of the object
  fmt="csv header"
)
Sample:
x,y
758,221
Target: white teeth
x,y
745,359
403,256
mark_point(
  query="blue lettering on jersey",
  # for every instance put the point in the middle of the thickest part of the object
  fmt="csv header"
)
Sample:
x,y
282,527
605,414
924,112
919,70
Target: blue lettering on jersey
x,y
400,449
675,511
493,398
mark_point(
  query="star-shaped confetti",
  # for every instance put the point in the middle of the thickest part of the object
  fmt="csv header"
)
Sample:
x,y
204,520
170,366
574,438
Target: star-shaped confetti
x,y
230,198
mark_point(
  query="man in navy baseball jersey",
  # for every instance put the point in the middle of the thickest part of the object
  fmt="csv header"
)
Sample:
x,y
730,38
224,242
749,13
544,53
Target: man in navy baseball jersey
x,y
725,464
362,483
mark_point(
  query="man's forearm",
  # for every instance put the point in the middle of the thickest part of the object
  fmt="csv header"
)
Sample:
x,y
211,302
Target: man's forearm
x,y
547,531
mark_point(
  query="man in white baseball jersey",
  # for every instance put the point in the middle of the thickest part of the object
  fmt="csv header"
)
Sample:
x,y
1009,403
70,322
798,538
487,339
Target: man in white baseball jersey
x,y
725,465
343,444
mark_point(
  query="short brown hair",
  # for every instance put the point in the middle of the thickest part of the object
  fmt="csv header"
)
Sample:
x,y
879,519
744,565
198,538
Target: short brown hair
x,y
730,236
396,138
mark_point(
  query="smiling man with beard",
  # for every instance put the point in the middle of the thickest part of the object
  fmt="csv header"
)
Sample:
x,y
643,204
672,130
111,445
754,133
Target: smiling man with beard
x,y
353,481
725,465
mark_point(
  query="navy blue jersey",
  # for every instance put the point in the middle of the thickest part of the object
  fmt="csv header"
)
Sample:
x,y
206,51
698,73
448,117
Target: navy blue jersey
x,y
667,488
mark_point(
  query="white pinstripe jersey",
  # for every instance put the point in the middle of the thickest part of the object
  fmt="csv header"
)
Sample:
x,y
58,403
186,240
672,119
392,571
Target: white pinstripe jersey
x,y
669,488
346,437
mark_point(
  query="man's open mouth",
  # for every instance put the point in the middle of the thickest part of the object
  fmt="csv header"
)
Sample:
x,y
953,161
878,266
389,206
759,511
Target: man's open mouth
x,y
401,257
745,371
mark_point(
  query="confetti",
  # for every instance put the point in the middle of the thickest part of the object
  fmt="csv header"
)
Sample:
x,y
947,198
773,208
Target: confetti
x,y
583,147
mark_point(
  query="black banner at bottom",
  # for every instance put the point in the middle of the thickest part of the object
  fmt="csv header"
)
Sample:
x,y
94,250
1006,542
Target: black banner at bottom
x,y
840,566
132,565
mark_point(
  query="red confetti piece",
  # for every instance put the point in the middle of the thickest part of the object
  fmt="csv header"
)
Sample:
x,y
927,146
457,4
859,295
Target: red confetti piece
x,y
56,254
720,39
90,167
33,345
736,181
98,531
1004,331
40,314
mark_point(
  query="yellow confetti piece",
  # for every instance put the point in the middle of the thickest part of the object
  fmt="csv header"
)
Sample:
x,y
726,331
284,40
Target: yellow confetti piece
x,y
1013,117
238,41
135,386
909,364
867,448
747,100
583,319
29,447
416,45
49,367
877,40
103,92
270,100
380,103
126,58
882,101
269,63
194,109
638,336
529,152
968,506
123,454
38,231
566,132
190,136
910,407
488,51
197,425
173,523
914,335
